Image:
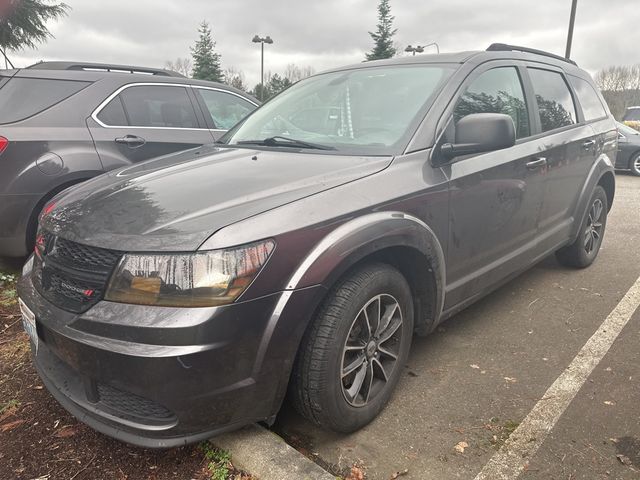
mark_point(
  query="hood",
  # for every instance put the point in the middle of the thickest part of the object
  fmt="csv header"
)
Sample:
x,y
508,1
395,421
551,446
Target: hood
x,y
175,203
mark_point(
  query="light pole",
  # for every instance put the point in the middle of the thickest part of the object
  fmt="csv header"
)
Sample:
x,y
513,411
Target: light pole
x,y
262,41
420,48
572,21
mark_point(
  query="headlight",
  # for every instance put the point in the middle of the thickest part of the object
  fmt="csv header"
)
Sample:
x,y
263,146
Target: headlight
x,y
200,279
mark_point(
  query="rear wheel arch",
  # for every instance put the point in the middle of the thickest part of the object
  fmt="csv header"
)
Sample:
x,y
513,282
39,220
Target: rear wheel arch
x,y
608,183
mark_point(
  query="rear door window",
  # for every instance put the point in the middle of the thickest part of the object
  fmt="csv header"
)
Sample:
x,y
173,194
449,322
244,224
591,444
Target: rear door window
x,y
498,90
21,98
154,106
589,101
225,109
555,103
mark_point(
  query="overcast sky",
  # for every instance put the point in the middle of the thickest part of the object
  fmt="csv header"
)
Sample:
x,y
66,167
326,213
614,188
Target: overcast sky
x,y
329,33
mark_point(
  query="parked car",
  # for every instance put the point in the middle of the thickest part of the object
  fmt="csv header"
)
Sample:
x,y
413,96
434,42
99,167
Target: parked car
x,y
176,299
62,123
632,117
628,157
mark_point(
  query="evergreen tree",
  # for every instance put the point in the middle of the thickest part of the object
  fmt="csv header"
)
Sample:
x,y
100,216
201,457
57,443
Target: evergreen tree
x,y
23,23
206,62
277,84
382,38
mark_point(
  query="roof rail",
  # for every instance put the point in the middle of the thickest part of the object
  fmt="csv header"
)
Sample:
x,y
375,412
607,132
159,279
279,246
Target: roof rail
x,y
103,67
503,47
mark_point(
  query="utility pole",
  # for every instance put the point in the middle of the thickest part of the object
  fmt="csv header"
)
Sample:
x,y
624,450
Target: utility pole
x,y
572,21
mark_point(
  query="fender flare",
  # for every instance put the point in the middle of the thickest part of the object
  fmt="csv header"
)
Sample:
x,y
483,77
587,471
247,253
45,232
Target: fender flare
x,y
601,167
362,236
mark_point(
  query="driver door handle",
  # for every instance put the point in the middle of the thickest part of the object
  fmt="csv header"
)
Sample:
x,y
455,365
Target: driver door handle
x,y
536,163
131,141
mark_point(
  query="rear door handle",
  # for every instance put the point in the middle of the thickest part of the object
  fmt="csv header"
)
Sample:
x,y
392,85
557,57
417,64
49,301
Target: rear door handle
x,y
588,144
537,163
131,141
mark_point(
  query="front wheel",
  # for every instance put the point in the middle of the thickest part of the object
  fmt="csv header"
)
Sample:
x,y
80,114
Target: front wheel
x,y
584,250
354,352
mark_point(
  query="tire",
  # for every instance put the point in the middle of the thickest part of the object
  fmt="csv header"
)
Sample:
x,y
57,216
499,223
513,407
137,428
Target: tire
x,y
584,250
634,165
335,342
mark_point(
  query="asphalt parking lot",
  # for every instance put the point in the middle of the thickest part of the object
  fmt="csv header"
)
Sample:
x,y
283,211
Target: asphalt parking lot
x,y
471,383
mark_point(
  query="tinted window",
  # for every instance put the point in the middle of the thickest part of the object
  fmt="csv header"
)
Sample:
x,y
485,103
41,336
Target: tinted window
x,y
21,98
113,113
632,115
589,101
555,103
226,109
159,106
496,91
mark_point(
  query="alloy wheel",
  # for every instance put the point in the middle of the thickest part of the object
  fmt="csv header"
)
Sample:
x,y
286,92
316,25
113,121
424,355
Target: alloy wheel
x,y
635,166
371,350
593,232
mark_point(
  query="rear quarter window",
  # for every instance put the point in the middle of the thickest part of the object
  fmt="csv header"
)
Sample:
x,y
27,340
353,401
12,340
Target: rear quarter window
x,y
589,101
21,98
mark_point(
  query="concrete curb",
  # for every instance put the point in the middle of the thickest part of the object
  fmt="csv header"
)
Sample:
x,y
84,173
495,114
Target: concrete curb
x,y
266,456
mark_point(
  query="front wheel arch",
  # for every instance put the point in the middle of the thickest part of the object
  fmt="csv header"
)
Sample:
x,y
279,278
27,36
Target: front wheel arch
x,y
397,239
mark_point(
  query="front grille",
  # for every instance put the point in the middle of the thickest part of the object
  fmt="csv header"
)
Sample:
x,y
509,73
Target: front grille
x,y
131,404
84,256
71,275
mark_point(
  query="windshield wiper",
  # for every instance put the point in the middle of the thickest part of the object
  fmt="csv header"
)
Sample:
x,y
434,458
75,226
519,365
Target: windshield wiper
x,y
280,141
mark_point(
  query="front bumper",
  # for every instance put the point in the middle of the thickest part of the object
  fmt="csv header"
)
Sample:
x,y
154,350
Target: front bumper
x,y
161,377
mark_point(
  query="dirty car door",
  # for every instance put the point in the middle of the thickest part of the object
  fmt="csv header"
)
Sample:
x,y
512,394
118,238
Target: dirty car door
x,y
495,197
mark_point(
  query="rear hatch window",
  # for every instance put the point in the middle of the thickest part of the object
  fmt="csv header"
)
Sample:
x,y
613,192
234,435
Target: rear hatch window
x,y
22,98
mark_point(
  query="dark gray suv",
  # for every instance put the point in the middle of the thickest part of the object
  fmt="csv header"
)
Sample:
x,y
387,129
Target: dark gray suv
x,y
62,123
184,296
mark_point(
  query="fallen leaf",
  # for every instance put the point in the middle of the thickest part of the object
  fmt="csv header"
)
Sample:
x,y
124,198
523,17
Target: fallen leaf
x,y
624,460
66,432
399,474
460,446
11,425
356,473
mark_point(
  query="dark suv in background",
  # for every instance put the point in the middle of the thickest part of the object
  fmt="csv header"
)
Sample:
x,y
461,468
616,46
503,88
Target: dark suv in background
x,y
181,297
62,123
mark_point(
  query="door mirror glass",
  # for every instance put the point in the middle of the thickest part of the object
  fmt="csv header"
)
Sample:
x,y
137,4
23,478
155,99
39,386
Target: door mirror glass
x,y
481,132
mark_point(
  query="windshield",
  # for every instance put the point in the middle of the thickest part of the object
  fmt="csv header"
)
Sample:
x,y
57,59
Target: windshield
x,y
371,110
622,128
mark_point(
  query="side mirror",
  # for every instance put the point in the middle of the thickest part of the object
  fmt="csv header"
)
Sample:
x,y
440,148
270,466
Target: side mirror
x,y
481,132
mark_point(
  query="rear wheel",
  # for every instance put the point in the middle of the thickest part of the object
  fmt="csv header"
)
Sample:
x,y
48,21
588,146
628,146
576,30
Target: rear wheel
x,y
634,164
353,354
584,250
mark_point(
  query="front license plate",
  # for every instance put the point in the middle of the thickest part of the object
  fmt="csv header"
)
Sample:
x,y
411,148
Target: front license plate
x,y
29,324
